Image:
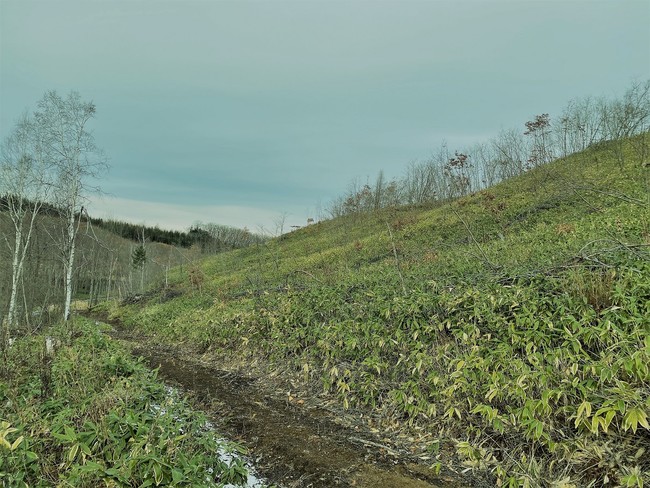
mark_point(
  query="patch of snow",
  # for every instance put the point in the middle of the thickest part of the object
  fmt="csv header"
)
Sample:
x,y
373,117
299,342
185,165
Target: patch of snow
x,y
228,457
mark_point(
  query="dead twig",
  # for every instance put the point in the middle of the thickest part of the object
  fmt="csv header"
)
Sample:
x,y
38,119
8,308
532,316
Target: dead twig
x,y
611,193
308,274
374,444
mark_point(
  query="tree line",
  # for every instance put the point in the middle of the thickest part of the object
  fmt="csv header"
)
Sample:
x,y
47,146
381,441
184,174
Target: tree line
x,y
52,250
448,174
209,237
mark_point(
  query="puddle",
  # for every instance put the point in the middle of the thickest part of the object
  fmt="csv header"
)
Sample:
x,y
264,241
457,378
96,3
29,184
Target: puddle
x,y
224,454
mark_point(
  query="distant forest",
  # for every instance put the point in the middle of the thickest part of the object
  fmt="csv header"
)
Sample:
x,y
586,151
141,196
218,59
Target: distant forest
x,y
134,232
209,237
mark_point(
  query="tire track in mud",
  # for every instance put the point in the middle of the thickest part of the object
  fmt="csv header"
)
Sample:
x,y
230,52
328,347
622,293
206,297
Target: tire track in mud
x,y
290,445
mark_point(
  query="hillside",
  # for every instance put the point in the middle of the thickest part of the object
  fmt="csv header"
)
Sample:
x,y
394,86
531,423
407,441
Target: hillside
x,y
507,331
104,268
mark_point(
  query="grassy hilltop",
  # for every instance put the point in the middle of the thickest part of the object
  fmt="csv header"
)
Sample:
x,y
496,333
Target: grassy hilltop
x,y
508,330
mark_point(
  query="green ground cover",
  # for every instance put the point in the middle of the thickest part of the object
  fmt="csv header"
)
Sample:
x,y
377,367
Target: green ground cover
x,y
511,325
90,415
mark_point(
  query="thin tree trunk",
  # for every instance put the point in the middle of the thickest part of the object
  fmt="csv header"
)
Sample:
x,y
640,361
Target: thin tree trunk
x,y
110,279
18,264
16,270
69,264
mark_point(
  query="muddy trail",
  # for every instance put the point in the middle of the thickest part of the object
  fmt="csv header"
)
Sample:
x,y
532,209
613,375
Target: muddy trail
x,y
291,445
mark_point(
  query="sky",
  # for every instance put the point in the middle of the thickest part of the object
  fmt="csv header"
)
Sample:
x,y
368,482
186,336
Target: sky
x,y
240,112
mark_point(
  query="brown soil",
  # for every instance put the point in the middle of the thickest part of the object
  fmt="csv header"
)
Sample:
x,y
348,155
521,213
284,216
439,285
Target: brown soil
x,y
290,443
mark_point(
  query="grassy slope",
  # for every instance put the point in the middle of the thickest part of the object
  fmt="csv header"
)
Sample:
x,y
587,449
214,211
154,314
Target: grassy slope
x,y
513,327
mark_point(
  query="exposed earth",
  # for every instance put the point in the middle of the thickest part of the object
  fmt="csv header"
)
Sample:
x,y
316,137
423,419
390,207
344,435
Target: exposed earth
x,y
292,442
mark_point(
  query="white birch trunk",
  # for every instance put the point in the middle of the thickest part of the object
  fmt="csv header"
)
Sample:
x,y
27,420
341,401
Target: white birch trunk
x,y
69,266
19,254
16,270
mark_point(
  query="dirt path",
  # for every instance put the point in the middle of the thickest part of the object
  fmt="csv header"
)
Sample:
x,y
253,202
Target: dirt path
x,y
291,445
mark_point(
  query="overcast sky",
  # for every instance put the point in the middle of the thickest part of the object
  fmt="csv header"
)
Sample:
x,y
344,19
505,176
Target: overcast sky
x,y
235,112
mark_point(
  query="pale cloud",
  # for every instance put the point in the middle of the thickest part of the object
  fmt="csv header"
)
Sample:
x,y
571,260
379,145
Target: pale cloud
x,y
236,112
181,217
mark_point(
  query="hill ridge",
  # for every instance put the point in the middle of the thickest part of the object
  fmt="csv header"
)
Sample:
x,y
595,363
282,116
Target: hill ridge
x,y
509,328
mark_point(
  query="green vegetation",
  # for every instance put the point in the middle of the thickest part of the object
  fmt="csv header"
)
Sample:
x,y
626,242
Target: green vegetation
x,y
52,250
89,415
510,326
209,237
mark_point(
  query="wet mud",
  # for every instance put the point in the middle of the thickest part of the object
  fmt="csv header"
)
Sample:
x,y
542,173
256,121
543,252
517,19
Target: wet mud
x,y
290,445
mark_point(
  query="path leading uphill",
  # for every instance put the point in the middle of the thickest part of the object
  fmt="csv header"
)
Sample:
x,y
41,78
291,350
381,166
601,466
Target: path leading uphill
x,y
290,444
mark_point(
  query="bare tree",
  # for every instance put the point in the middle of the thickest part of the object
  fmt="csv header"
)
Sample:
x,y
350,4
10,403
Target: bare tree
x,y
511,149
379,191
581,124
539,130
280,222
23,190
71,149
457,173
426,181
486,168
629,115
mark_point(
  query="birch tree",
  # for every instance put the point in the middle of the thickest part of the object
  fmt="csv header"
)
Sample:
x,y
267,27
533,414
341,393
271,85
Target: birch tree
x,y
23,190
76,159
